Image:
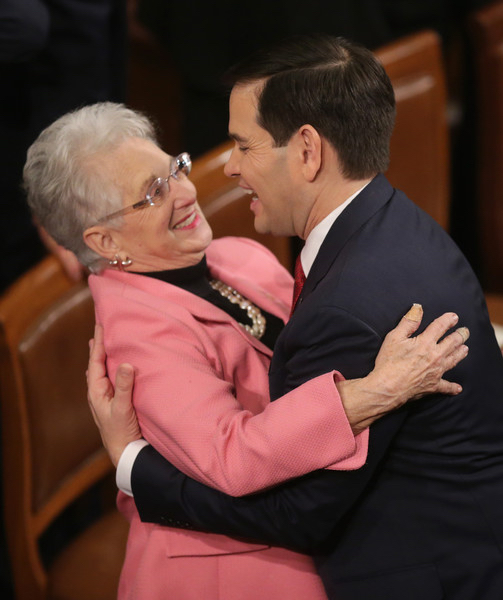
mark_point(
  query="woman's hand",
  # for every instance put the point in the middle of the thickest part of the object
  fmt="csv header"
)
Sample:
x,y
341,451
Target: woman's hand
x,y
406,368
113,411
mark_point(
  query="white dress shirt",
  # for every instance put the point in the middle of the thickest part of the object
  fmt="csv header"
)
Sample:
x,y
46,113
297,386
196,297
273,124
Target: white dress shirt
x,y
317,236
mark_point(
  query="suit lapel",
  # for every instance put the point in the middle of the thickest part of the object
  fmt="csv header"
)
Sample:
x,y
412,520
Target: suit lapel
x,y
370,200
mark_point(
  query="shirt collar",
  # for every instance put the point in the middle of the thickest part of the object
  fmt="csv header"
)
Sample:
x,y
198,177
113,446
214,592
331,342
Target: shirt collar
x,y
318,234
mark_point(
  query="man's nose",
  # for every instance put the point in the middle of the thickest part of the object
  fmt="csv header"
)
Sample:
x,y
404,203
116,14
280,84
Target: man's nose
x,y
231,168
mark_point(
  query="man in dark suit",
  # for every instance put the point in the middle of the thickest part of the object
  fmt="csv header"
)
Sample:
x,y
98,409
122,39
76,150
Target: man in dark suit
x,y
422,519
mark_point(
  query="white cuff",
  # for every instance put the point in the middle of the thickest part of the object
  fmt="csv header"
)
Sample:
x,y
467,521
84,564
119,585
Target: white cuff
x,y
125,465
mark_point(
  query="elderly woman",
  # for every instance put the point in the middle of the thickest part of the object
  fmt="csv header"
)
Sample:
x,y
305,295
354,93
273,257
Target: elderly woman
x,y
198,319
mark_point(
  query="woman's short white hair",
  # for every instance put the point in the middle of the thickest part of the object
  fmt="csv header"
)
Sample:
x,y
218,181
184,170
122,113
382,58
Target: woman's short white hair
x,y
66,195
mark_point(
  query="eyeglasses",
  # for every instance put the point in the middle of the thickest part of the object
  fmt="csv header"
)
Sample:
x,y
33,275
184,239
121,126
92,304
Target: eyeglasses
x,y
181,166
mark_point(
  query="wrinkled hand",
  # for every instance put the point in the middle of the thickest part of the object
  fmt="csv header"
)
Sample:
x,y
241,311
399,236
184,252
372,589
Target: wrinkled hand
x,y
414,366
406,368
113,411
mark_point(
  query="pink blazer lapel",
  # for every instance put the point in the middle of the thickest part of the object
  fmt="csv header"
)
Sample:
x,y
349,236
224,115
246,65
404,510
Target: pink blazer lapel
x,y
182,301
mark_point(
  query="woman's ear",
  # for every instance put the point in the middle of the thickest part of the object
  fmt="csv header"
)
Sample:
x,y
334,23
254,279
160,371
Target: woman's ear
x,y
101,240
309,145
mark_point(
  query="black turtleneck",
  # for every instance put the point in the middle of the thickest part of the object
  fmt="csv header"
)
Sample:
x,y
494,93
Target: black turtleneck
x,y
196,279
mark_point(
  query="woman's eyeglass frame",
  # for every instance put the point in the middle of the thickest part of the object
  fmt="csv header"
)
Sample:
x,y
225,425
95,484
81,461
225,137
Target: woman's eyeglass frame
x,y
159,190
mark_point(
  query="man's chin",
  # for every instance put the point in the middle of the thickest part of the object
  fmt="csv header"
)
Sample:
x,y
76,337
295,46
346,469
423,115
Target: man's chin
x,y
260,226
266,228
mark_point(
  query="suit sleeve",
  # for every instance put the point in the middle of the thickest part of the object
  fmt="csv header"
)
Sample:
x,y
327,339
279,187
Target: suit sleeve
x,y
300,514
188,409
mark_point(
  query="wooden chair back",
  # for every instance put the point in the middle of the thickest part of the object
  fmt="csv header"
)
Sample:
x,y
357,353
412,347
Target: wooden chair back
x,y
495,308
227,206
52,452
420,161
486,28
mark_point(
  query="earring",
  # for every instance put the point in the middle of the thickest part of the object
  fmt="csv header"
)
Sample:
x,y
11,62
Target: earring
x,y
118,262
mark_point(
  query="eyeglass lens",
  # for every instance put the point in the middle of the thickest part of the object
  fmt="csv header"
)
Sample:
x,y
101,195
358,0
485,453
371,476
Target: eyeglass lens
x,y
159,190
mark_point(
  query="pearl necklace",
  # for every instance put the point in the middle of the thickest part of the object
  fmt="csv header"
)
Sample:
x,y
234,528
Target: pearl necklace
x,y
257,318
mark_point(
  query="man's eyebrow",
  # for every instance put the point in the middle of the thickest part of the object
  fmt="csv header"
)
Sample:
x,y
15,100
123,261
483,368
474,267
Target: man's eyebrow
x,y
237,138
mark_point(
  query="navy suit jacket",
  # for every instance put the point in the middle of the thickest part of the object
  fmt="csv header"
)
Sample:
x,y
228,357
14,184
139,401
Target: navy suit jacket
x,y
423,519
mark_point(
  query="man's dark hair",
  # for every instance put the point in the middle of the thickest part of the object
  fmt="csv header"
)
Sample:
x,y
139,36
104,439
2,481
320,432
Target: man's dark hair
x,y
335,85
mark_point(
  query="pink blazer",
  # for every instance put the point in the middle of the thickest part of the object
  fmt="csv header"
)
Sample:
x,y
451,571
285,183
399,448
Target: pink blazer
x,y
201,395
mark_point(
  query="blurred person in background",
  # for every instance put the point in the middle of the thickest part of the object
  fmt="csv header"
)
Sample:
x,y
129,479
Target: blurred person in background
x,y
55,56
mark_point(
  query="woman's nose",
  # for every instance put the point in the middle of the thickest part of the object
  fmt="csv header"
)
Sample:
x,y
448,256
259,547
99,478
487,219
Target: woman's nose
x,y
181,189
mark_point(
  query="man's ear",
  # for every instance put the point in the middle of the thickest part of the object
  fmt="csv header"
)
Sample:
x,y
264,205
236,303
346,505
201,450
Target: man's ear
x,y
309,146
101,240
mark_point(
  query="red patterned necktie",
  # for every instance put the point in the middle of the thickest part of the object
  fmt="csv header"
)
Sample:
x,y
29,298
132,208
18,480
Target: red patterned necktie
x,y
300,280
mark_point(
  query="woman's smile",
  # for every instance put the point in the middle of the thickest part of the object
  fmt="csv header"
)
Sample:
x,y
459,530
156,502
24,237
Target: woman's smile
x,y
189,222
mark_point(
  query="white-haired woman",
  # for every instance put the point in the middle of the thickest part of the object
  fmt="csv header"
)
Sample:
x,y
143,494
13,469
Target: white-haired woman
x,y
198,319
